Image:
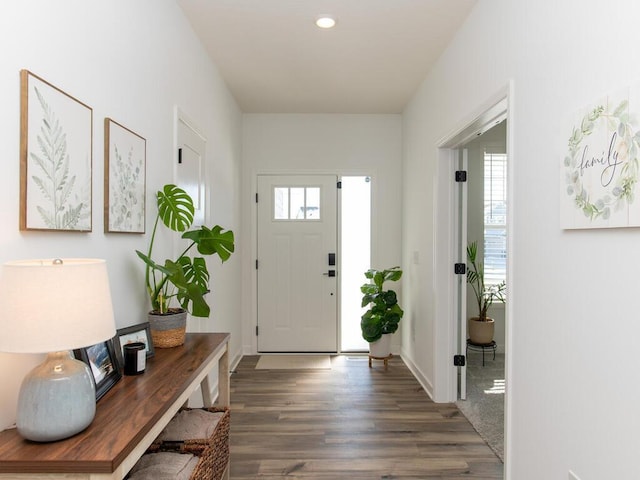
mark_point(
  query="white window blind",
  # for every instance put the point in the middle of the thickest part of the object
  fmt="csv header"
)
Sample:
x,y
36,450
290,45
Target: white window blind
x,y
495,217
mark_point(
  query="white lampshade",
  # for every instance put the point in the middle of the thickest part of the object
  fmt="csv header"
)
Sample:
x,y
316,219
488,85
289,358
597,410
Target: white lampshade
x,y
52,305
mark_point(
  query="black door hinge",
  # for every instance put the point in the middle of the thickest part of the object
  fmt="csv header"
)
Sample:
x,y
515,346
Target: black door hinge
x,y
339,184
256,198
459,360
256,330
460,268
256,264
179,156
461,176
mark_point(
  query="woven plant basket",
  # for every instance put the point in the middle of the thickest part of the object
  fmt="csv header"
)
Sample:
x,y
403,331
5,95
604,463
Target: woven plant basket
x,y
168,330
213,452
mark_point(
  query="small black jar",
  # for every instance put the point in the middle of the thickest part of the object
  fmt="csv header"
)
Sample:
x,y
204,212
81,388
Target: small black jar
x,y
135,357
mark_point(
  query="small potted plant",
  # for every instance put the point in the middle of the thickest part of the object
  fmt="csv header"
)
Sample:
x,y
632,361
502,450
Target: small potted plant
x,y
185,279
384,314
481,327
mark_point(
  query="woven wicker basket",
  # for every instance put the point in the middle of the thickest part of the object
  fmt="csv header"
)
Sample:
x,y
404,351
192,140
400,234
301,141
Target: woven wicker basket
x,y
168,330
213,452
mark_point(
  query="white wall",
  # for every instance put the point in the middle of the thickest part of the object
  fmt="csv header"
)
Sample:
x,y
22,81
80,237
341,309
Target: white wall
x,y
133,62
572,357
340,144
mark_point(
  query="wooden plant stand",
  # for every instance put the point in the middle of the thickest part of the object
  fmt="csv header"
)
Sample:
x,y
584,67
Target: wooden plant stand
x,y
386,360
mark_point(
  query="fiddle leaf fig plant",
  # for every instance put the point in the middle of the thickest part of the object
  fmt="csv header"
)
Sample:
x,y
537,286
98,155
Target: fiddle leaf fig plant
x,y
186,278
485,294
384,313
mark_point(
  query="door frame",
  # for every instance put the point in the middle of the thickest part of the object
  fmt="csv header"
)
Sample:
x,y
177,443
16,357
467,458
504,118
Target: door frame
x,y
446,341
255,173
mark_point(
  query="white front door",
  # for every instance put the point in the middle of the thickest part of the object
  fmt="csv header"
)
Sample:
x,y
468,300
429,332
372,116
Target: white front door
x,y
297,264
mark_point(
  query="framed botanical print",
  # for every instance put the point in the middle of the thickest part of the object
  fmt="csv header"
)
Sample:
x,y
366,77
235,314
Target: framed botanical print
x,y
56,145
124,179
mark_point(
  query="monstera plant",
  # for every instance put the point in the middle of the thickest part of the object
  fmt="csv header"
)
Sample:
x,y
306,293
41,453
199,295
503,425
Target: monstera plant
x,y
185,278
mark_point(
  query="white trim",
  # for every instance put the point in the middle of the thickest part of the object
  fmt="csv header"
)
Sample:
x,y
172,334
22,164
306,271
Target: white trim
x,y
180,116
252,348
422,379
492,111
511,249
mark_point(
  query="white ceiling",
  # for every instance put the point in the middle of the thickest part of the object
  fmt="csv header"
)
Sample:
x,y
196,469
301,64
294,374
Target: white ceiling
x,y
275,60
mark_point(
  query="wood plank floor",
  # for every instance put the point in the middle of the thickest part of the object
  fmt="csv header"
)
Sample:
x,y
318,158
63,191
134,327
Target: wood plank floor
x,y
350,422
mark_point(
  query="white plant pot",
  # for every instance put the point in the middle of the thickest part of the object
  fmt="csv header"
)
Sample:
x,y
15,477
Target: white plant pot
x,y
381,348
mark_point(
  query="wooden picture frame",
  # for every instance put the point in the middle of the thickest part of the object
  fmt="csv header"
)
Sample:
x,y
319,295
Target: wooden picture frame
x,y
134,333
124,179
56,155
103,363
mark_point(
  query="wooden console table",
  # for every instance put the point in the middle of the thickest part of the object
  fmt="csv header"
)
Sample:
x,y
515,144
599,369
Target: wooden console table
x,y
128,418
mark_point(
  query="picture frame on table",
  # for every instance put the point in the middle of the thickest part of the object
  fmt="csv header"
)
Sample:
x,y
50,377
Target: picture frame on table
x,y
103,363
134,333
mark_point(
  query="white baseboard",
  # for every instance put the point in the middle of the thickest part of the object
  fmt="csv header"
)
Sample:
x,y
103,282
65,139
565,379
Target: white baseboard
x,y
422,380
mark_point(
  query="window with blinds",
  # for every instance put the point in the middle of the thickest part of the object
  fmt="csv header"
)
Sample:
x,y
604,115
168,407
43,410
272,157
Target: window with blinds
x,y
495,217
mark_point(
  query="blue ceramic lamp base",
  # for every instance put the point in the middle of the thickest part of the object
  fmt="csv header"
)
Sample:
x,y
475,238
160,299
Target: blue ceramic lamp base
x,y
57,399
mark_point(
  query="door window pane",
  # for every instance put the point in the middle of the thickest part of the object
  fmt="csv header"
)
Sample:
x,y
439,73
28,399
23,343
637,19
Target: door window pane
x,y
296,203
312,203
281,203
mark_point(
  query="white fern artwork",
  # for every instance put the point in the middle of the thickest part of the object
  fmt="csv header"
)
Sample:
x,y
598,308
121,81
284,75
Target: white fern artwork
x,y
58,160
126,174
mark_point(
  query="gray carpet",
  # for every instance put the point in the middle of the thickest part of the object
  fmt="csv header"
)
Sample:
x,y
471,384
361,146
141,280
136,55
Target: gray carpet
x,y
484,406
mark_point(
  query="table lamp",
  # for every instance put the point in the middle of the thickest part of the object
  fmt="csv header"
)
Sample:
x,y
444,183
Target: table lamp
x,y
54,306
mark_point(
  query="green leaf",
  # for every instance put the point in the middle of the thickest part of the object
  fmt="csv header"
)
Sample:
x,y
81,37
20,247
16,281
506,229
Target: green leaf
x,y
212,241
366,300
196,271
369,289
389,298
175,208
371,326
193,294
393,274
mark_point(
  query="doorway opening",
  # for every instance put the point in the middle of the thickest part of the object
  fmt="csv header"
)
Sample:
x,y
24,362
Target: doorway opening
x,y
454,155
482,393
355,246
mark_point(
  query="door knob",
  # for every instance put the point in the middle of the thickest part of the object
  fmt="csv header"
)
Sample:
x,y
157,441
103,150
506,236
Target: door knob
x,y
330,273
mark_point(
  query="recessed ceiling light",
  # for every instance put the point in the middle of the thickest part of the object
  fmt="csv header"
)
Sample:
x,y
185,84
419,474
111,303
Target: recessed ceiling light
x,y
325,21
